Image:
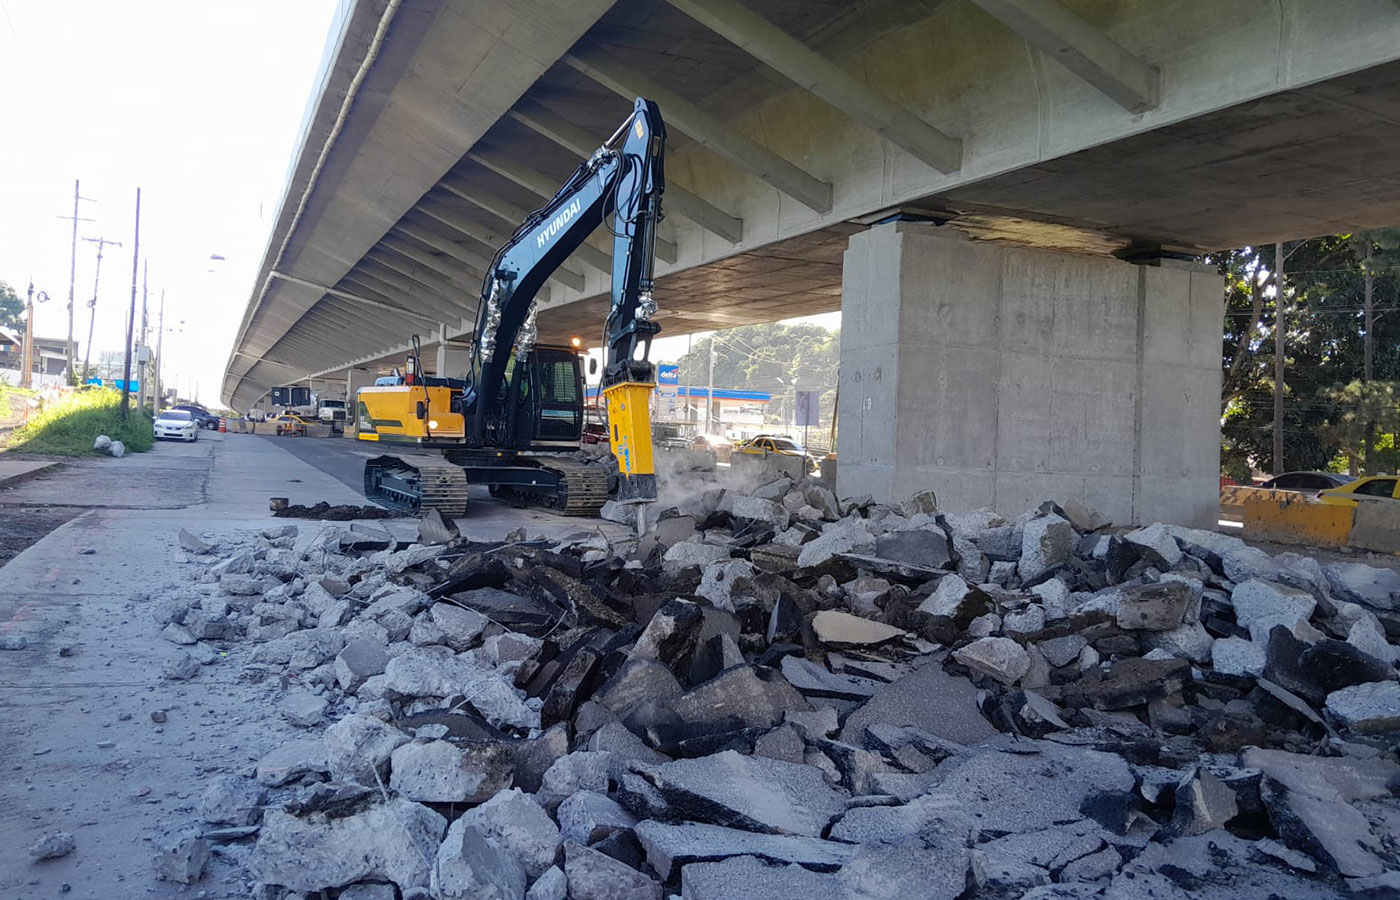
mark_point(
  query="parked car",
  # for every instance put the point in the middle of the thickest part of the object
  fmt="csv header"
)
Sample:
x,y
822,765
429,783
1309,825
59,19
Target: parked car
x,y
1380,487
770,443
202,417
595,433
764,444
175,425
1306,481
294,425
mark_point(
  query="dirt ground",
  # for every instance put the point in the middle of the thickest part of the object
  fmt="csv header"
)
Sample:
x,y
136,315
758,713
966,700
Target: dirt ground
x,y
22,526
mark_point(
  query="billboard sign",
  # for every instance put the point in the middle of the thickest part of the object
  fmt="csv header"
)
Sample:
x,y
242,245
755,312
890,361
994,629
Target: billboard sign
x,y
808,409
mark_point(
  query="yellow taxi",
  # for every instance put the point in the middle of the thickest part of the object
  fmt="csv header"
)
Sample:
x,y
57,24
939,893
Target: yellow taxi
x,y
294,425
1379,487
765,443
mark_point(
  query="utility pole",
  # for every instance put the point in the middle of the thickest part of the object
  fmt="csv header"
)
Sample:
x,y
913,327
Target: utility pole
x,y
101,242
160,347
710,391
141,339
1368,280
1279,353
72,282
131,315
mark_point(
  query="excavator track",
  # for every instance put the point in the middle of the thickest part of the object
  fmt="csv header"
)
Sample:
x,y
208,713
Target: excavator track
x,y
416,484
581,491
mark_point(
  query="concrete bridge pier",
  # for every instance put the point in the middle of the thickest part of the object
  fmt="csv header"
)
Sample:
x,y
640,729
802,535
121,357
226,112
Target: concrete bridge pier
x,y
1000,377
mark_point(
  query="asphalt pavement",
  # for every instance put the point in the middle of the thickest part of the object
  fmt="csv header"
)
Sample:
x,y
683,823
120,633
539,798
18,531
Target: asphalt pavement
x,y
341,458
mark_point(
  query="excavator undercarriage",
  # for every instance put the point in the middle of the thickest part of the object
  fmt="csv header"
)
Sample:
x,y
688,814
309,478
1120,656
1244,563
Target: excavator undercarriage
x,y
419,482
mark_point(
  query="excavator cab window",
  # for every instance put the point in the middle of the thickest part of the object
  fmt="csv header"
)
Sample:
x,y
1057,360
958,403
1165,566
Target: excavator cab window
x,y
559,381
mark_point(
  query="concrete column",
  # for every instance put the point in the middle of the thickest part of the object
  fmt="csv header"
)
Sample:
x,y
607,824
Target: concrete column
x,y
354,380
453,361
1002,377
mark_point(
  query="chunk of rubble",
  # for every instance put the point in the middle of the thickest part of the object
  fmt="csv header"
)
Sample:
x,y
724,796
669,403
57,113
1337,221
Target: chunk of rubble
x,y
749,792
1368,585
839,628
358,748
181,858
1153,607
1001,658
1371,708
588,817
596,876
470,865
845,536
928,699
521,827
669,847
1047,543
1260,599
754,879
53,846
394,841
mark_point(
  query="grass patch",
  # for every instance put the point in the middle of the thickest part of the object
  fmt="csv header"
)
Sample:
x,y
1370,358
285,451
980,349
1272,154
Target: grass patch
x,y
69,427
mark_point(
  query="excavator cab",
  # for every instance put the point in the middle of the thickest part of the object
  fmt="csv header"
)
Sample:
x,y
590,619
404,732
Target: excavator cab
x,y
545,400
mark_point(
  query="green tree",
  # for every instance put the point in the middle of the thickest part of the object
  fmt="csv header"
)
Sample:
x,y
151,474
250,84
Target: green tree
x,y
1331,314
11,307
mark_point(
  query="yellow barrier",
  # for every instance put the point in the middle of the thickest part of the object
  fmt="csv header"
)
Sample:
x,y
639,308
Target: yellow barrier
x,y
1296,520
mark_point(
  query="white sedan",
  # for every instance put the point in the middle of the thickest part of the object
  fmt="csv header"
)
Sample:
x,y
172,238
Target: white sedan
x,y
176,425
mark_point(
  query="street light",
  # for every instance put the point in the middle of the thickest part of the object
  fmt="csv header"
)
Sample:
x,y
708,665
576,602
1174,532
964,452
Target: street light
x,y
26,378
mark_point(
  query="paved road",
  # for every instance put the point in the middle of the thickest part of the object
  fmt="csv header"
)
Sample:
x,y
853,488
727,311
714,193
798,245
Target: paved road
x,y
341,458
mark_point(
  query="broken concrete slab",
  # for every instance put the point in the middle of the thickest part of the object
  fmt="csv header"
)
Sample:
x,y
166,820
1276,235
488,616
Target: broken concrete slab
x,y
749,792
934,820
744,696
668,847
754,879
1260,599
928,699
886,873
1368,585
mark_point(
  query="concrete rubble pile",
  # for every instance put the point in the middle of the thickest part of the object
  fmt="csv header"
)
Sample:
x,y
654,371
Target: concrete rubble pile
x,y
782,694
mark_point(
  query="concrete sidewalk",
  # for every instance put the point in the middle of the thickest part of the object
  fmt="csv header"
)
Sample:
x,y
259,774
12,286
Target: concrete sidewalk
x,y
15,471
82,752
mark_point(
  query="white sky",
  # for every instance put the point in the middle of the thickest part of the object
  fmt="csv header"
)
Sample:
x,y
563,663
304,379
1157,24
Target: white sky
x,y
200,105
197,103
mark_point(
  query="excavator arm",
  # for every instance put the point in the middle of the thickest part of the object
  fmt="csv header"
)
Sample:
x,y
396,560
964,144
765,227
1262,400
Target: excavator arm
x,y
624,179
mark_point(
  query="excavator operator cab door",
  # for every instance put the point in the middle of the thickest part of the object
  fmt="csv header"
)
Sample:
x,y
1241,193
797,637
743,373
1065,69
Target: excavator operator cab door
x,y
545,401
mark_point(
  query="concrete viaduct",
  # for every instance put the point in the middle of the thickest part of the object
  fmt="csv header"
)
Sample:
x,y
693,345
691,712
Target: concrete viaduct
x,y
1001,196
